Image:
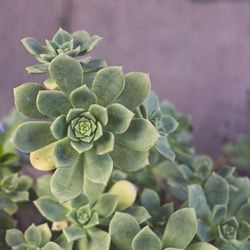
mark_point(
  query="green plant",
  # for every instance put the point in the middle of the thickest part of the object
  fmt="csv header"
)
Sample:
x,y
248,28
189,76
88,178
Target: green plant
x,y
122,173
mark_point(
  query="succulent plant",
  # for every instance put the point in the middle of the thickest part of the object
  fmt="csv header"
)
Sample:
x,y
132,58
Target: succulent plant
x,y
223,211
35,237
83,217
178,234
94,128
77,44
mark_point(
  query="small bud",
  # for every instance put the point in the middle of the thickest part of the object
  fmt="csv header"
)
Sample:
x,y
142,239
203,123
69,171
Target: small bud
x,y
59,225
126,193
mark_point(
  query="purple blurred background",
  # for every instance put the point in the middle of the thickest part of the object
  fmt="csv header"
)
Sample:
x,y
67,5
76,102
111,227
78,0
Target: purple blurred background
x,y
197,52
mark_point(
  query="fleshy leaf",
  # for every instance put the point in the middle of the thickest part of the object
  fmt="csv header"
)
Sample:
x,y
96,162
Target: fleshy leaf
x,y
33,236
59,127
150,199
51,209
141,135
119,118
51,246
123,228
197,200
146,239
65,155
43,159
106,205
73,233
62,36
31,136
139,213
25,99
217,190
37,69
201,246
136,89
98,168
108,84
98,239
181,229
33,46
82,97
81,146
100,113
67,183
129,160
67,73
52,103
163,148
14,237
105,144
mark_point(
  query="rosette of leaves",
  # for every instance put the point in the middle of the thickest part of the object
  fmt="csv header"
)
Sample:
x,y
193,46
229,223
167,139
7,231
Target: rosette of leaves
x,y
164,123
77,44
83,216
223,213
85,128
180,230
35,237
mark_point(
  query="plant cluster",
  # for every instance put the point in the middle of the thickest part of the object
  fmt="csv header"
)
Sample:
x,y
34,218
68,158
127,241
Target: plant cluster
x,y
121,171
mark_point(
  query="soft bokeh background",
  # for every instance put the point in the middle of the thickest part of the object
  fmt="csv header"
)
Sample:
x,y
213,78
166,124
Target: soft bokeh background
x,y
196,51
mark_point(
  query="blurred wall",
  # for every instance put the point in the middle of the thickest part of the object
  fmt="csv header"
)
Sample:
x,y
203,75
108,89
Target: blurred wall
x,y
197,52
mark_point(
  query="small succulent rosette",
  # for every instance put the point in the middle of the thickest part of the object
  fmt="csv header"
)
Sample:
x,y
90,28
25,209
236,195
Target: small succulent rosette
x,y
223,211
178,234
35,237
165,124
77,44
80,127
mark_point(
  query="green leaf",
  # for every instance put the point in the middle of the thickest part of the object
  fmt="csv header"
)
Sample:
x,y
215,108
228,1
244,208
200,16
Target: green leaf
x,y
197,200
59,127
218,214
65,155
108,84
244,231
217,190
244,213
139,213
30,136
51,246
98,168
201,246
100,113
129,160
123,228
82,97
169,124
62,36
14,237
181,228
43,187
52,103
33,46
33,236
80,38
136,89
119,118
51,209
66,72
150,199
73,233
146,239
163,148
91,43
106,205
98,239
37,69
67,183
141,135
105,144
25,99
45,233
92,190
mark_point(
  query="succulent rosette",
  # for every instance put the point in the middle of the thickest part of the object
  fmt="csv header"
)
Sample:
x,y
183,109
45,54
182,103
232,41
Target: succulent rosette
x,y
222,207
85,127
76,45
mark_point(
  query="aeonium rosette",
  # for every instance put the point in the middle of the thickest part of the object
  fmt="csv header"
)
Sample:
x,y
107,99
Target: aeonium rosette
x,y
84,127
